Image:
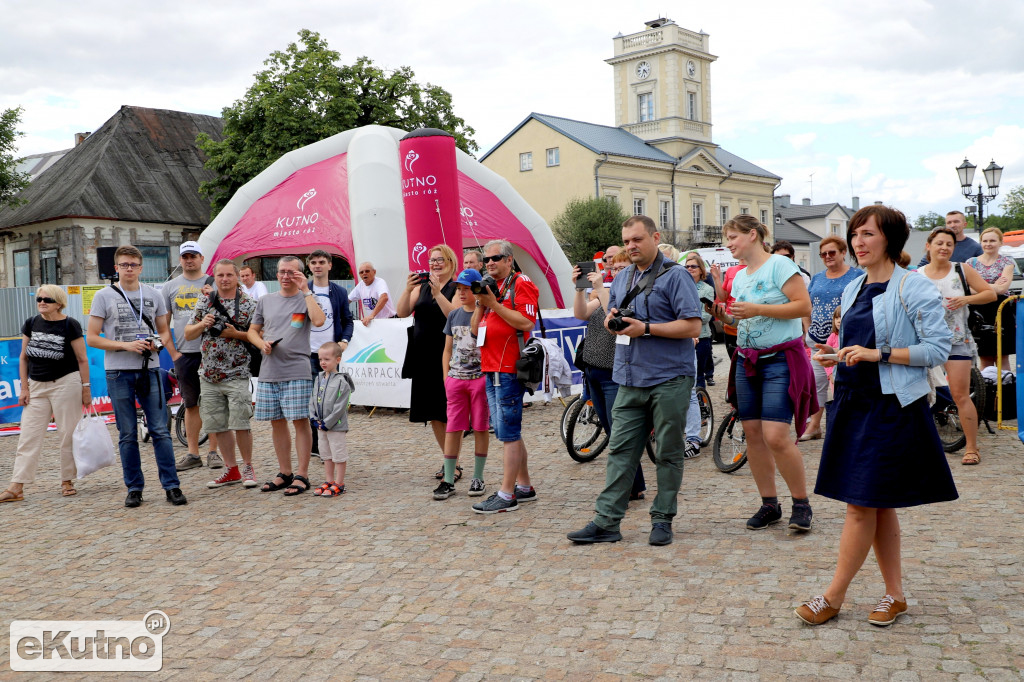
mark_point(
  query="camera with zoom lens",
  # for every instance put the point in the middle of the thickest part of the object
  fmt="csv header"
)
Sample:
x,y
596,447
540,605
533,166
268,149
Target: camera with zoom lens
x,y
485,284
617,323
422,277
157,344
217,328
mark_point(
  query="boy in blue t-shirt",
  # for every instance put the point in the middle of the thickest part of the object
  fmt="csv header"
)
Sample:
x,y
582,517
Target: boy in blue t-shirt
x,y
464,385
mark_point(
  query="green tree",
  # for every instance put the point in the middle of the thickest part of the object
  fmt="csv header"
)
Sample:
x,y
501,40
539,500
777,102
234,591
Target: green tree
x,y
11,181
928,221
1013,204
587,226
304,95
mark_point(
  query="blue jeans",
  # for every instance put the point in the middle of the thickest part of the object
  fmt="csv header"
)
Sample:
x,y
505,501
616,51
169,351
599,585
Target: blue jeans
x,y
121,386
602,390
505,401
765,395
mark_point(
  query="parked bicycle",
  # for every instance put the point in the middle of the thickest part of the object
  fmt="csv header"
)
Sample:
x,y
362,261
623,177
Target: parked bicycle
x,y
730,450
947,418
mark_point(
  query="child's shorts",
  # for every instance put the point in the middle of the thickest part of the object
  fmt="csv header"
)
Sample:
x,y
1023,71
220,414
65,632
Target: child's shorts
x,y
333,446
467,398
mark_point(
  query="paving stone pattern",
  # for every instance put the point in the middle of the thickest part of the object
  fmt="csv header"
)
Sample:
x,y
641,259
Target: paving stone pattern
x,y
386,583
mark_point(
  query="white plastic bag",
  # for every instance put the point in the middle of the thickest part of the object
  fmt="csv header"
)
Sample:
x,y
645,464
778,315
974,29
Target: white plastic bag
x,y
92,445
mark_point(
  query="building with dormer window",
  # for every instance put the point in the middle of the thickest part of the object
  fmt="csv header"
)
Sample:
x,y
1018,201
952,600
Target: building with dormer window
x,y
658,159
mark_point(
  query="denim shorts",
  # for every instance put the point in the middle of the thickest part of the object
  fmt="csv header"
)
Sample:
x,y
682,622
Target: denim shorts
x,y
765,395
506,404
283,400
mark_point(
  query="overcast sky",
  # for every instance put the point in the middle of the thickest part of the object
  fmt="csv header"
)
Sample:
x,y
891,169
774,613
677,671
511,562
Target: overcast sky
x,y
877,99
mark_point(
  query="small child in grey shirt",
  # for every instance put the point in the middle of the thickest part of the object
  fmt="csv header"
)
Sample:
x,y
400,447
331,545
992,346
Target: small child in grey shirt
x,y
328,410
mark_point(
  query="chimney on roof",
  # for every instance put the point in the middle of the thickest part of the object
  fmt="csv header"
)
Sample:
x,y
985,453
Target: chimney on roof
x,y
783,200
879,203
856,203
80,137
806,201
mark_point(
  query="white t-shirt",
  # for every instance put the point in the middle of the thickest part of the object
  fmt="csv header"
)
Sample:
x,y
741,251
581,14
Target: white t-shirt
x,y
258,290
318,336
368,297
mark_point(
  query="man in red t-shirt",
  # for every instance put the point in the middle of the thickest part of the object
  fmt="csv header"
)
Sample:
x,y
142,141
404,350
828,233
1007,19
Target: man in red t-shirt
x,y
513,310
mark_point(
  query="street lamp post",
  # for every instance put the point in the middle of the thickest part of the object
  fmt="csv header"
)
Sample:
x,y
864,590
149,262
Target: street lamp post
x,y
993,174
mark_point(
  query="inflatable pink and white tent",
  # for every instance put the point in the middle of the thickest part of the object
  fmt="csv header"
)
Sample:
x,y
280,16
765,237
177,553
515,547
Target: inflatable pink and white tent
x,y
377,194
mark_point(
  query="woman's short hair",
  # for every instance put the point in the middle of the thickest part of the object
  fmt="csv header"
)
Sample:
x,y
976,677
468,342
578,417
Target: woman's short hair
x,y
941,230
55,292
621,257
995,230
700,263
448,255
890,221
671,252
834,239
746,224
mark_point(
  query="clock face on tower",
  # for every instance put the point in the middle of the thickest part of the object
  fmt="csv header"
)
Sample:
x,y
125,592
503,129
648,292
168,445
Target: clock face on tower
x,y
643,69
691,68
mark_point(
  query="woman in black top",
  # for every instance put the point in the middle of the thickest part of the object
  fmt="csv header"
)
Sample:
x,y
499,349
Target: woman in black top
x,y
53,368
429,303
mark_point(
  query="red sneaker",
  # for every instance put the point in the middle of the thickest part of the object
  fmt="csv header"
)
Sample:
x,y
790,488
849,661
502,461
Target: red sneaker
x,y
232,475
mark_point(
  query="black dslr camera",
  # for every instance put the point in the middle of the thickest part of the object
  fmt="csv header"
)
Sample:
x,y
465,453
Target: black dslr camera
x,y
485,284
617,323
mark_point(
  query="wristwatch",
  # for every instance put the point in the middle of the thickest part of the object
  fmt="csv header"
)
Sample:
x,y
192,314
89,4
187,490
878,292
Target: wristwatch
x,y
647,330
885,351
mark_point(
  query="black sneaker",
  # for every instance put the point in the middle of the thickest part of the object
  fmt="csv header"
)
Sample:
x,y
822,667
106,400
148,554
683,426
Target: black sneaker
x,y
444,490
800,519
594,533
709,381
476,487
691,450
526,495
134,499
176,497
661,533
767,515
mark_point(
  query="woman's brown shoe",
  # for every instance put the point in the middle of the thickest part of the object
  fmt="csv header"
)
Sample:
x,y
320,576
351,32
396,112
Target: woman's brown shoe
x,y
887,610
816,611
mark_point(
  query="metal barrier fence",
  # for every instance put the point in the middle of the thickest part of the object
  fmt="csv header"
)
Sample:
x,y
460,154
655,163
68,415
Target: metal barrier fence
x,y
17,304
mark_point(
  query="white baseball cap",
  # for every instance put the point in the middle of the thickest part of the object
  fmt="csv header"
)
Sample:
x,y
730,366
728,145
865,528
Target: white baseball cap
x,y
189,247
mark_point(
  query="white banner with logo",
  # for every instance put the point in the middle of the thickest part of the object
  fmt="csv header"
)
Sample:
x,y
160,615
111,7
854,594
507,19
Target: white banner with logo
x,y
374,360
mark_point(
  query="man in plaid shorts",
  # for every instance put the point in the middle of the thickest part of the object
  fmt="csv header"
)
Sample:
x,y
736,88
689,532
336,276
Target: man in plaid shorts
x,y
280,329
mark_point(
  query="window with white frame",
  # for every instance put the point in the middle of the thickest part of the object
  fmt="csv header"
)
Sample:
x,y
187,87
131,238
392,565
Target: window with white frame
x,y
638,206
764,216
724,214
22,269
698,214
664,214
744,210
835,228
645,106
691,106
552,155
526,161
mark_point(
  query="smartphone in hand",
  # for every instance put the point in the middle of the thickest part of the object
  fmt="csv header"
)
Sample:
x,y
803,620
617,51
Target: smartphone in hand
x,y
586,267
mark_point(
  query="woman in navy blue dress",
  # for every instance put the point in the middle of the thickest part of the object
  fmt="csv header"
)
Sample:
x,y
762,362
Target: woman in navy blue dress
x,y
881,450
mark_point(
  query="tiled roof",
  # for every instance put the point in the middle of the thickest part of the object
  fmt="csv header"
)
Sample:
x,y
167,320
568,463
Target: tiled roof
x,y
801,212
738,165
793,233
142,165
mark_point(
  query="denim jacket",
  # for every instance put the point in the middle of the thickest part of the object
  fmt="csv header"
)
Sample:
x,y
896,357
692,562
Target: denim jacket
x,y
923,332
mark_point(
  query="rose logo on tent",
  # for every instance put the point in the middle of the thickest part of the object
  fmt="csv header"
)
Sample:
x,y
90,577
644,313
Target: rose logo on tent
x,y
410,159
301,203
417,252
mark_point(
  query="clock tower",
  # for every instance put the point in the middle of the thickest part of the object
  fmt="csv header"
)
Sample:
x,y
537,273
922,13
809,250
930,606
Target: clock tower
x,y
663,86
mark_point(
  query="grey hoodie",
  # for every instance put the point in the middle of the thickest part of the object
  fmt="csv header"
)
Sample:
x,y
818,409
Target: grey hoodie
x,y
329,400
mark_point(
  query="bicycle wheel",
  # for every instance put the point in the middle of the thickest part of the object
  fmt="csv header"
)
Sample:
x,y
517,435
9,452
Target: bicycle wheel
x,y
585,438
179,429
564,428
978,396
947,423
730,450
707,415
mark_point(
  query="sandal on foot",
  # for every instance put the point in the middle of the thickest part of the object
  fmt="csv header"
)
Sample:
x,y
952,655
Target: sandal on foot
x,y
294,489
8,496
334,490
458,473
439,474
67,489
322,488
270,486
971,458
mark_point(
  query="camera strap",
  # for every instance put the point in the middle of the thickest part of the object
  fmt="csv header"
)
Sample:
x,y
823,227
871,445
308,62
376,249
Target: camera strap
x,y
646,285
216,303
540,318
142,315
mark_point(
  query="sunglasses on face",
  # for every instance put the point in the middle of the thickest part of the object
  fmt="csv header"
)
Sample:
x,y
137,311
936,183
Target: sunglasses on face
x,y
493,259
45,299
828,254
692,267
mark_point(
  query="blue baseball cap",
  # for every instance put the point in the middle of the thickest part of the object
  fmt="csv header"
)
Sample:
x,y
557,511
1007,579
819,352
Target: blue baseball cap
x,y
467,277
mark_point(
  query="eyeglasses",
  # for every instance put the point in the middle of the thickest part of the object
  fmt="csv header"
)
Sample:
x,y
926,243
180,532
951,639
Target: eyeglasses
x,y
45,299
692,267
619,268
493,259
437,261
828,254
129,266
287,273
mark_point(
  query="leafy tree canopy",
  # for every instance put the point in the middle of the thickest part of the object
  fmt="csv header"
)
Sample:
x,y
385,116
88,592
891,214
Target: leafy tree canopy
x,y
304,95
1013,204
587,226
928,221
11,181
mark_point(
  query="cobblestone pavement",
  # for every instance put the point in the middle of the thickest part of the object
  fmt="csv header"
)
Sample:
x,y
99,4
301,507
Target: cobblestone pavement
x,y
385,583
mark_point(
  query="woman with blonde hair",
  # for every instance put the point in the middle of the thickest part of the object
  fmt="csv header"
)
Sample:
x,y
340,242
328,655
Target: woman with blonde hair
x,y
54,373
428,298
997,270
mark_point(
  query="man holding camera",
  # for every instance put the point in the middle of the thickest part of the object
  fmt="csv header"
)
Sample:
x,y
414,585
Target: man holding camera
x,y
654,312
221,321
510,302
130,315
